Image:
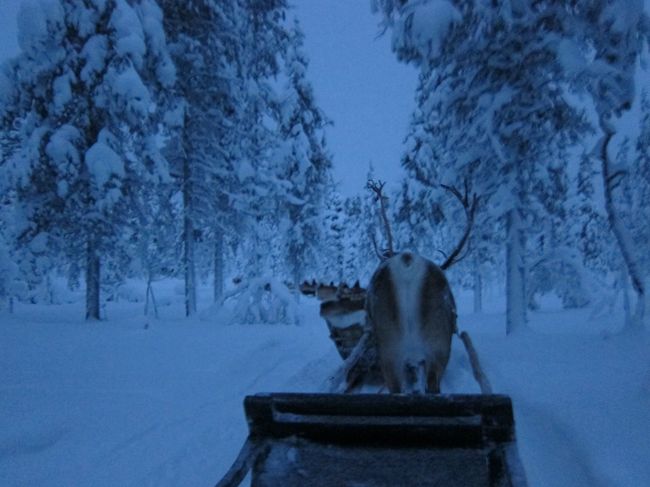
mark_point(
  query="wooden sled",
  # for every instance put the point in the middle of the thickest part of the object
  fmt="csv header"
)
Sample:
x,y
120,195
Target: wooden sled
x,y
380,439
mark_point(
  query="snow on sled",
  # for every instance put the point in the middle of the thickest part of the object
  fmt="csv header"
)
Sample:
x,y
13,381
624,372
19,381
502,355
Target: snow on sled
x,y
378,440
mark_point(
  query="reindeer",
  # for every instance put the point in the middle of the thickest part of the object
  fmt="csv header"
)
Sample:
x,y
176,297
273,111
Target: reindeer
x,y
411,309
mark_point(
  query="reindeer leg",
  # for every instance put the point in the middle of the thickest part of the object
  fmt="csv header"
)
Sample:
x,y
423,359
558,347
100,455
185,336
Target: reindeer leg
x,y
391,376
433,380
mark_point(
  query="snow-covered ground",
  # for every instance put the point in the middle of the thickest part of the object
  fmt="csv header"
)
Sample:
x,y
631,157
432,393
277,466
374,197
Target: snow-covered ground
x,y
122,403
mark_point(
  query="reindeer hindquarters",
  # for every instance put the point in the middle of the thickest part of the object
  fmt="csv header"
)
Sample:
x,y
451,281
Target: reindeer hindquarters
x,y
389,347
382,313
438,322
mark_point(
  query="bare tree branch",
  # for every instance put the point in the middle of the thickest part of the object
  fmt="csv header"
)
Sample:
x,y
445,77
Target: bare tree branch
x,y
377,188
374,245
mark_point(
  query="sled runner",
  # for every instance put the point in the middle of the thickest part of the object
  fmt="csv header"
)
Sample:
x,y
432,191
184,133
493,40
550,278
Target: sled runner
x,y
378,440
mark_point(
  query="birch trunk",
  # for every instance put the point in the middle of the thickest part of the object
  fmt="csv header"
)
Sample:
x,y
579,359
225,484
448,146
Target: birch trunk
x,y
623,237
92,280
515,273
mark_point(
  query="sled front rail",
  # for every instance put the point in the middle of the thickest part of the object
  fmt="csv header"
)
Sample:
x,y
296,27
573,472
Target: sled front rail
x,y
379,440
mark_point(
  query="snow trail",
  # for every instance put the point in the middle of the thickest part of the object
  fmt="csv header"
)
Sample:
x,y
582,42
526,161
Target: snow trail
x,y
114,404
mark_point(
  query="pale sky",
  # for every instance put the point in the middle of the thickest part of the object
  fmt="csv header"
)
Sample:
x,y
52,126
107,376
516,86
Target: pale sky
x,y
8,42
357,80
360,85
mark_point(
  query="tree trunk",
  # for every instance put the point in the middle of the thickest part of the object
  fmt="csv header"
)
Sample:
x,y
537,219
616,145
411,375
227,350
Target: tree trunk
x,y
218,267
625,288
478,287
515,273
92,280
623,237
188,237
150,298
49,289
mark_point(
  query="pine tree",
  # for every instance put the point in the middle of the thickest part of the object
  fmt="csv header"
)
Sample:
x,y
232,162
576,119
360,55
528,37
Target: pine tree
x,y
205,46
89,84
306,163
334,221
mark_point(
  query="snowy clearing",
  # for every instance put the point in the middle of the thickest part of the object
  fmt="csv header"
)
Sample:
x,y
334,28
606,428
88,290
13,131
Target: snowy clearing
x,y
113,403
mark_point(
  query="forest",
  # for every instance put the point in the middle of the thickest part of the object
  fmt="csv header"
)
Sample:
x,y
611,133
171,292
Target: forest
x,y
157,148
153,141
145,140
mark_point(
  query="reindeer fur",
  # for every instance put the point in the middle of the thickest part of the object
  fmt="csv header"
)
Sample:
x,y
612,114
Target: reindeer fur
x,y
413,316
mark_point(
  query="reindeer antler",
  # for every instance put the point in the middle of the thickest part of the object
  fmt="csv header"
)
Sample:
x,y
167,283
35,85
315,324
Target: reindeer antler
x,y
470,203
377,187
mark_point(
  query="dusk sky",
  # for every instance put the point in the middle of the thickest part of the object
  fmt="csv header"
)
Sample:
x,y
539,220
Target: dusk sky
x,y
361,86
363,89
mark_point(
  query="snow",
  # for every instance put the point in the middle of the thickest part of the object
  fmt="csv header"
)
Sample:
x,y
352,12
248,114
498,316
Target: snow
x,y
94,52
61,147
129,87
62,91
245,171
38,244
571,58
37,22
129,34
346,320
62,188
152,21
424,26
263,300
103,162
623,19
113,403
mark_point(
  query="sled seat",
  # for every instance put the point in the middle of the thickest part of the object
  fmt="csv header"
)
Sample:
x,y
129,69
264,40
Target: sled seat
x,y
379,440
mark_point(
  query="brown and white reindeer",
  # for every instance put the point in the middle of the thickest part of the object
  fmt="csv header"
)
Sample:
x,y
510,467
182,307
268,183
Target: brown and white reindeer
x,y
411,309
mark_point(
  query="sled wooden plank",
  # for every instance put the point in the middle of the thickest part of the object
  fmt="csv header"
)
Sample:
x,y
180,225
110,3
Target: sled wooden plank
x,y
341,439
379,440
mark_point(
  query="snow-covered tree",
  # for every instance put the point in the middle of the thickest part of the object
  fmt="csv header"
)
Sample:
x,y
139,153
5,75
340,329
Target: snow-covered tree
x,y
359,260
611,36
334,238
306,165
204,37
249,149
88,85
629,190
492,110
639,180
12,285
